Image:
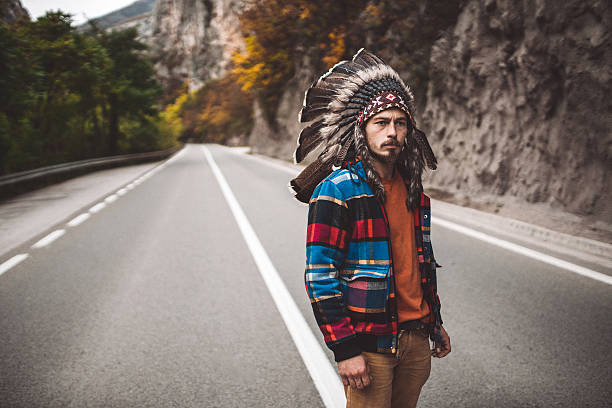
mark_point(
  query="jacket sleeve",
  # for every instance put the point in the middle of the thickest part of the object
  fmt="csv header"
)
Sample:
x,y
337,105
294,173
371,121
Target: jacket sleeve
x,y
328,235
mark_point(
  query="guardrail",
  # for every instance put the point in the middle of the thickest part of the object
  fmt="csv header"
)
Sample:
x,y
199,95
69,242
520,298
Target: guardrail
x,y
16,183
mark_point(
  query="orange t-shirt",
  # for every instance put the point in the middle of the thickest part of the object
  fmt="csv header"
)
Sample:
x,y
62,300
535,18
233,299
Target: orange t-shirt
x,y
410,302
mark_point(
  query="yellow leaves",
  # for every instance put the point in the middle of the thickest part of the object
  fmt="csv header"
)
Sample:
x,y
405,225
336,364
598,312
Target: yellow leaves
x,y
246,66
215,115
171,123
257,68
248,75
279,32
336,47
180,101
373,13
215,112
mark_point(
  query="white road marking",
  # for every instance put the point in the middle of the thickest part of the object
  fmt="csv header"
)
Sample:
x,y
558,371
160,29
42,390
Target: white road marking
x,y
176,156
78,219
6,265
482,236
81,218
49,238
539,256
97,207
323,374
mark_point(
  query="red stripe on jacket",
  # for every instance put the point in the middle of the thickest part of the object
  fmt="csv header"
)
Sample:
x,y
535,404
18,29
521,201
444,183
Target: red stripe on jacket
x,y
370,228
327,234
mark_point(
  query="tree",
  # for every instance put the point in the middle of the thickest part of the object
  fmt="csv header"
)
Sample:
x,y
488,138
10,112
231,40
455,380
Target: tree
x,y
67,96
132,90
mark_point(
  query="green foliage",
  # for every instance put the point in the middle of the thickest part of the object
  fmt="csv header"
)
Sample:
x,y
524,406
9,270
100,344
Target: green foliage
x,y
67,96
132,90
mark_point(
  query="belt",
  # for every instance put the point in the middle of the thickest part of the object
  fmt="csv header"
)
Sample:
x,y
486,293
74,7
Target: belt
x,y
410,325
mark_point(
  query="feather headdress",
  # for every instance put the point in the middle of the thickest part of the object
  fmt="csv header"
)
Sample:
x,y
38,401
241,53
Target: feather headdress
x,y
338,104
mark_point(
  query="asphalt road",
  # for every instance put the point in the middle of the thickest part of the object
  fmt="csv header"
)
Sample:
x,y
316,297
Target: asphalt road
x,y
156,301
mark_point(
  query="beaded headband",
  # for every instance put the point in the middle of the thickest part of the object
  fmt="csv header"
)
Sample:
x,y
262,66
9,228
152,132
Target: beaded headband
x,y
381,102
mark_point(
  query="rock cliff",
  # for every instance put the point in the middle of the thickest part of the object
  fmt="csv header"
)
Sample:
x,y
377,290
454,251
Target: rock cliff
x,y
12,10
142,22
193,40
519,103
282,141
517,111
132,15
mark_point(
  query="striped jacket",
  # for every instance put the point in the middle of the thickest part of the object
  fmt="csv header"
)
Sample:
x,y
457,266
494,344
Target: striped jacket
x,y
349,268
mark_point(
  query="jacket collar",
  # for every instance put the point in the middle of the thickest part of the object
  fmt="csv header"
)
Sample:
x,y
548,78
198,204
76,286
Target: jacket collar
x,y
355,166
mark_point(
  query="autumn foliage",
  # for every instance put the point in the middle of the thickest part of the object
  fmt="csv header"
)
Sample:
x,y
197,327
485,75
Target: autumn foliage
x,y
214,113
278,32
281,34
69,95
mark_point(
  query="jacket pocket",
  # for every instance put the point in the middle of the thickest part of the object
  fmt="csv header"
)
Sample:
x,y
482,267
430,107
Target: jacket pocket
x,y
352,271
365,295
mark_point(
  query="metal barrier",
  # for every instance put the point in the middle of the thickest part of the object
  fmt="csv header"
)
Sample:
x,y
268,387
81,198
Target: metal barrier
x,y
16,183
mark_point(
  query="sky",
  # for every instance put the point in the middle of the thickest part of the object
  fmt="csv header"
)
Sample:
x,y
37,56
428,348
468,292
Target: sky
x,y
80,9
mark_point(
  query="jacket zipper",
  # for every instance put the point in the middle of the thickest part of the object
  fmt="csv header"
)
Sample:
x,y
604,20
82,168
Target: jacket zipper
x,y
394,317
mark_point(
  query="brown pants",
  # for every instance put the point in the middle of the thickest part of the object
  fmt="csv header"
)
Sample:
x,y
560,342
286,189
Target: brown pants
x,y
396,378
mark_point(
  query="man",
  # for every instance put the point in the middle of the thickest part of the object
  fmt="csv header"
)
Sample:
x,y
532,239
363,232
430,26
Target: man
x,y
370,268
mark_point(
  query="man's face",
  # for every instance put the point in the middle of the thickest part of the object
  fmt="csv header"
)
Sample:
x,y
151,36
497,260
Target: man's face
x,y
385,134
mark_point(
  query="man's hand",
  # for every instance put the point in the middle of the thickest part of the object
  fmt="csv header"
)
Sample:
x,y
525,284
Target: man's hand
x,y
444,348
355,372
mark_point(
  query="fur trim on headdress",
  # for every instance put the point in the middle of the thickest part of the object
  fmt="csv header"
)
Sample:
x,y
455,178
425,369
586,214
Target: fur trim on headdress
x,y
334,102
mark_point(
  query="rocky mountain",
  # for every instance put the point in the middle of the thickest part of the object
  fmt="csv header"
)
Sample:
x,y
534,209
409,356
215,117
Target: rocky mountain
x,y
193,40
12,10
516,105
519,103
142,22
517,110
137,11
280,140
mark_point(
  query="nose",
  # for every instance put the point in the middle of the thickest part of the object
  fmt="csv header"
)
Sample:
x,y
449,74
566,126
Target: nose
x,y
391,130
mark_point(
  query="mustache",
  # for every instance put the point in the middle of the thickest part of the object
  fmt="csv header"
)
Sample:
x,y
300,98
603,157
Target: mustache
x,y
393,143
